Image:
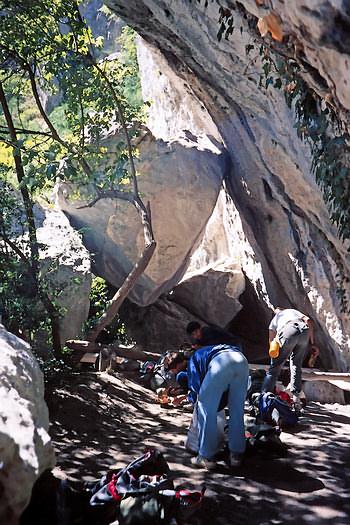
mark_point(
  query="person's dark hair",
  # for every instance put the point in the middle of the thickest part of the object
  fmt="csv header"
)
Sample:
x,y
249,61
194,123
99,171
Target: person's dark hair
x,y
192,326
279,308
175,360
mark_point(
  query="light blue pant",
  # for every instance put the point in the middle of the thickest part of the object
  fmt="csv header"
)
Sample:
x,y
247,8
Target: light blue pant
x,y
227,370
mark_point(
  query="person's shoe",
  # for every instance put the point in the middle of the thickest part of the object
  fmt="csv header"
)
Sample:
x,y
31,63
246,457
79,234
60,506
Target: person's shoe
x,y
202,462
236,459
297,404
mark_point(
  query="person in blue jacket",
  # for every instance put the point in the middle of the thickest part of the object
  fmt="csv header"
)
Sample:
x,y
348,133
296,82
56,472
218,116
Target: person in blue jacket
x,y
212,372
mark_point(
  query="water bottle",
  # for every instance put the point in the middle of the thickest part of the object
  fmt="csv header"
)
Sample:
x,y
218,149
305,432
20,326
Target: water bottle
x,y
274,350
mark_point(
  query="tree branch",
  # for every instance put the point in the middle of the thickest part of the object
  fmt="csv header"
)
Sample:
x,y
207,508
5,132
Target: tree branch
x,y
123,291
17,250
108,194
23,131
123,123
20,176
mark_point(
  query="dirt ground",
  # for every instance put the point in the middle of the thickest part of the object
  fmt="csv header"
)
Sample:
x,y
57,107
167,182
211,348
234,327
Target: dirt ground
x,y
99,420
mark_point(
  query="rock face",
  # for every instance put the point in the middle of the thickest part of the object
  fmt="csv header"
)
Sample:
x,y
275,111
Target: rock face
x,y
181,179
25,445
284,241
323,392
65,262
65,268
108,27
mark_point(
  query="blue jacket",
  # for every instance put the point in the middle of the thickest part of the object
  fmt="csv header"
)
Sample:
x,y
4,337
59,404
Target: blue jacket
x,y
198,367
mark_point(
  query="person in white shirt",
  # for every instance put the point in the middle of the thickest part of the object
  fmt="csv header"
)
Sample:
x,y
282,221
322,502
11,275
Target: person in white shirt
x,y
294,331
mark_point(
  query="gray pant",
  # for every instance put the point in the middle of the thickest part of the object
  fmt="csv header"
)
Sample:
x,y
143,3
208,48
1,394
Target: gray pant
x,y
294,344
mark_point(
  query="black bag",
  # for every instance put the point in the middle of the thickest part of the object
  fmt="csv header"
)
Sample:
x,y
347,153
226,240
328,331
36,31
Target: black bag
x,y
156,375
263,439
140,493
144,492
255,384
146,474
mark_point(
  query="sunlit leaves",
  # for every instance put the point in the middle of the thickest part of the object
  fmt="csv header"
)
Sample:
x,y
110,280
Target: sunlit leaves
x,y
52,39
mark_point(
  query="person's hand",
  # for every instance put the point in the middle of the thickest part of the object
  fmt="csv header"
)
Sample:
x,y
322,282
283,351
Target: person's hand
x,y
178,400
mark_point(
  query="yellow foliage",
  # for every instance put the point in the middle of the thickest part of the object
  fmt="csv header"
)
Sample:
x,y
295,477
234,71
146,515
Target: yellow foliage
x,y
6,156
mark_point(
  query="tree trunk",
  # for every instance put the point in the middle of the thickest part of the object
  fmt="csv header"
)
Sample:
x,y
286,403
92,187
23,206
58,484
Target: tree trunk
x,y
33,242
123,292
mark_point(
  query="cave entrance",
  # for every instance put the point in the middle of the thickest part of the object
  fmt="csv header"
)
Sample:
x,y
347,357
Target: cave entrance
x,y
251,325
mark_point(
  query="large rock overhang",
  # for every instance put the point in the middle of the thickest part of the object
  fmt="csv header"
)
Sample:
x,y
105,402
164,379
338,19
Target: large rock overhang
x,y
282,211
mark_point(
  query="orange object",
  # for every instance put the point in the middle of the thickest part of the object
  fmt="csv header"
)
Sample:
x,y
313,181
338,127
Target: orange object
x,y
271,23
274,350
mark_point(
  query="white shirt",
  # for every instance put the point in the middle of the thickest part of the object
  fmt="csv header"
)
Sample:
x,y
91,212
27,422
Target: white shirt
x,y
283,317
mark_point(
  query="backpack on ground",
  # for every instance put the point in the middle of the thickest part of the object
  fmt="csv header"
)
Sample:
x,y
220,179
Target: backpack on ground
x,y
275,411
144,493
256,380
263,439
156,374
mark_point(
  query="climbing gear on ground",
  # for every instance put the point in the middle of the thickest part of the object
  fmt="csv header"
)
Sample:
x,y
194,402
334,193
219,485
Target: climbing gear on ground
x,y
275,411
255,384
263,438
144,492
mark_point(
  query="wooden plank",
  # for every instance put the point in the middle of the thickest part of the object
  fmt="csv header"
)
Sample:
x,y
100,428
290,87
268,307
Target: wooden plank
x,y
340,384
89,358
134,352
313,374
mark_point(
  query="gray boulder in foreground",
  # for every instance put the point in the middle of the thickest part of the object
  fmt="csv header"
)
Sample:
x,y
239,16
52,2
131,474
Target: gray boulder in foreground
x,y
25,446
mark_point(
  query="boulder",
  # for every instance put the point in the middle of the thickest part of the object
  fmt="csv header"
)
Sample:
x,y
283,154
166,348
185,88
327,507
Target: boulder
x,y
65,263
181,179
323,392
158,327
25,446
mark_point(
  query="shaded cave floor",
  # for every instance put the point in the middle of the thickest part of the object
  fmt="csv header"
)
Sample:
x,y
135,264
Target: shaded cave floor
x,y
98,420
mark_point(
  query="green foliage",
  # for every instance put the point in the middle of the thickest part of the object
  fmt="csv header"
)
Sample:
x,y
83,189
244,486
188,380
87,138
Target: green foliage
x,y
226,22
99,299
47,47
18,303
100,296
131,80
21,313
54,368
51,40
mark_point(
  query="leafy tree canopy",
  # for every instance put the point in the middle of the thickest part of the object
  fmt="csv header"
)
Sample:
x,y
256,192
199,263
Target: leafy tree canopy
x,y
47,48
